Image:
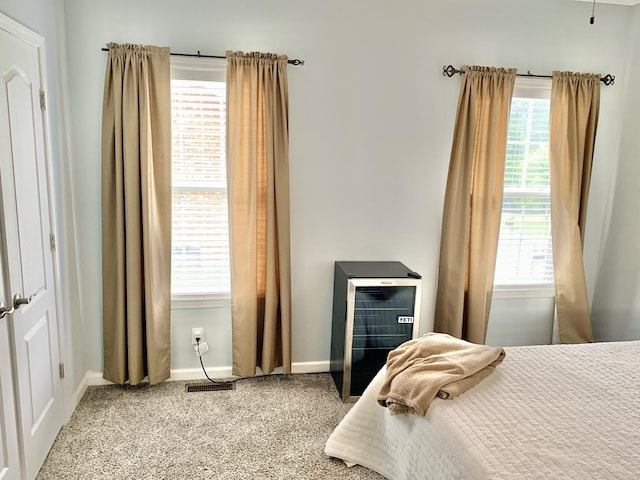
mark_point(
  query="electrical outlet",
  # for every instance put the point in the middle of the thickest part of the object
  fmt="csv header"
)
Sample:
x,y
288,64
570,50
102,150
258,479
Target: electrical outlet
x,y
197,333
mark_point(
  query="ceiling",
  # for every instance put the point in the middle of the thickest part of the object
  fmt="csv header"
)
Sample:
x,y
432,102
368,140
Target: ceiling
x,y
615,2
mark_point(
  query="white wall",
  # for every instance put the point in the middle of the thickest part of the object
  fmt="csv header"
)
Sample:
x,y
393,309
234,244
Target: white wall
x,y
371,120
616,303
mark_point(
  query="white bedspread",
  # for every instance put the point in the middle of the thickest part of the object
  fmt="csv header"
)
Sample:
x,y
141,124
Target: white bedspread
x,y
547,412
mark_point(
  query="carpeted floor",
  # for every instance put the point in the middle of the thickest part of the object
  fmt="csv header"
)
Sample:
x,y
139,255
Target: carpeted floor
x,y
272,427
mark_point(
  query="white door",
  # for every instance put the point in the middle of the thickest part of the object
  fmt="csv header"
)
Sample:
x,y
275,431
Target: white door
x,y
26,230
9,460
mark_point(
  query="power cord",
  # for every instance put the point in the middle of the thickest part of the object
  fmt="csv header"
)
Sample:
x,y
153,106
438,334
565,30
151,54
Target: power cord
x,y
205,371
234,380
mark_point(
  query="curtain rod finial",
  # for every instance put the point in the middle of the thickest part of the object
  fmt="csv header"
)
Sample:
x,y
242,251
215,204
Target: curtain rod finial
x,y
449,71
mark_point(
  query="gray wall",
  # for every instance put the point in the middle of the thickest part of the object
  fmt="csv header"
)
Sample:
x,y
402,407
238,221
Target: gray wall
x,y
371,120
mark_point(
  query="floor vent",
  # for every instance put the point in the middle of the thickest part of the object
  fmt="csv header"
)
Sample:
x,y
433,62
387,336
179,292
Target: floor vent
x,y
210,387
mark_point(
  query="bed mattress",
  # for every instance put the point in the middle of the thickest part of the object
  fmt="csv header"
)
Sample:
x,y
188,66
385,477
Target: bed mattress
x,y
547,412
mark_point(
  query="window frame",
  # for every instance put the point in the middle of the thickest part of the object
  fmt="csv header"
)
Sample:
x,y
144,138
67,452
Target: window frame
x,y
204,68
535,88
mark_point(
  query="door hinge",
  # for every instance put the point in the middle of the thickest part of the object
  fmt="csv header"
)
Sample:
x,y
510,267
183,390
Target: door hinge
x,y
61,369
43,102
52,242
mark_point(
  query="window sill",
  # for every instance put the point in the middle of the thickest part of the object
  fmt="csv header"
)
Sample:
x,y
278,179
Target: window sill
x,y
524,291
184,301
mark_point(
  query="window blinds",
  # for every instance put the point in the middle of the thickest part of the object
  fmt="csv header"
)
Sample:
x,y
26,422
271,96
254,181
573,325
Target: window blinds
x,y
200,240
524,245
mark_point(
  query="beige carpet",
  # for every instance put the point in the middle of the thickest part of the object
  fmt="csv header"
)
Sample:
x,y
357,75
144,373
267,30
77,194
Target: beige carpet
x,y
267,428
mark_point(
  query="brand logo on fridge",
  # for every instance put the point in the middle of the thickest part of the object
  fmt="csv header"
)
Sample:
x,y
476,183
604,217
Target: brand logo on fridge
x,y
405,319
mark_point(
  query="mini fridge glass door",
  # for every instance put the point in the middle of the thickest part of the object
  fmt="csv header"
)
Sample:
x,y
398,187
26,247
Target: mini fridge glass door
x,y
381,314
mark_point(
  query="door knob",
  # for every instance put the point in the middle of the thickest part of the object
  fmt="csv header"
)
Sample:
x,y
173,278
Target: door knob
x,y
18,301
4,310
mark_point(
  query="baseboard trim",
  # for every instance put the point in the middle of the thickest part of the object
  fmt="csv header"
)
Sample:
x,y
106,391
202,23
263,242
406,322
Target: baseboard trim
x,y
93,378
77,395
179,374
310,367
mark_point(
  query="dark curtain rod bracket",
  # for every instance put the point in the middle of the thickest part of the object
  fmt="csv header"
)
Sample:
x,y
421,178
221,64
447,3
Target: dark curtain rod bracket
x,y
450,71
294,61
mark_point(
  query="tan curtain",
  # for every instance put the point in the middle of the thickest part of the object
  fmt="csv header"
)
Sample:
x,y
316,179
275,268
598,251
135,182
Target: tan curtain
x,y
473,203
136,214
258,180
575,104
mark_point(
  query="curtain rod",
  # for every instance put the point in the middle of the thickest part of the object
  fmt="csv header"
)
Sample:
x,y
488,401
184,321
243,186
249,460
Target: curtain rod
x,y
294,61
450,71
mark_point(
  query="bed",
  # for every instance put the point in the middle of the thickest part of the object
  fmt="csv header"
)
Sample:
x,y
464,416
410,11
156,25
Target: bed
x,y
547,412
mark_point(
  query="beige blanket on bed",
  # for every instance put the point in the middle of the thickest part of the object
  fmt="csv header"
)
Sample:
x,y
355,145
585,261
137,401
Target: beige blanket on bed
x,y
434,364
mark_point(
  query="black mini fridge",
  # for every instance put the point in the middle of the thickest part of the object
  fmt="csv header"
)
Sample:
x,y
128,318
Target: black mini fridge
x,y
376,307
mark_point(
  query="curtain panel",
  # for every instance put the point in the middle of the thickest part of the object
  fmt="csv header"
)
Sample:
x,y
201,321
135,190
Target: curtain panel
x,y
473,203
136,214
258,193
575,105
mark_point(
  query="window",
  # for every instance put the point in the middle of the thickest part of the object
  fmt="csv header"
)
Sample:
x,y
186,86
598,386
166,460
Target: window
x,y
525,258
200,235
